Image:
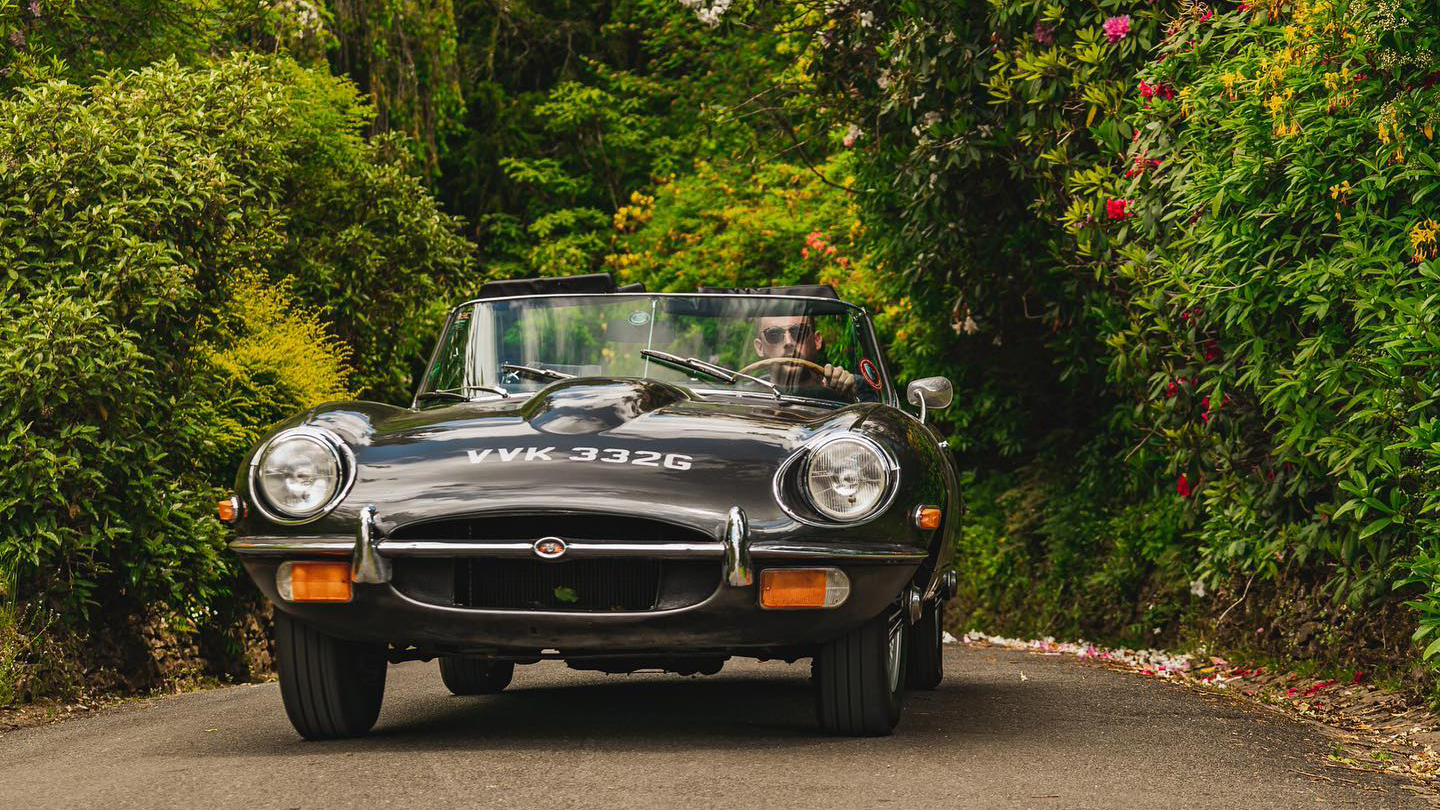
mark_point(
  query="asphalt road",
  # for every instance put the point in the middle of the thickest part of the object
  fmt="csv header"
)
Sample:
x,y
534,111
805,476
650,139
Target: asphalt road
x,y
1067,735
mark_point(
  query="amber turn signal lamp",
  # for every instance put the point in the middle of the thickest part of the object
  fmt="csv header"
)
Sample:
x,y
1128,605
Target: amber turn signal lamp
x,y
789,588
229,509
313,581
927,517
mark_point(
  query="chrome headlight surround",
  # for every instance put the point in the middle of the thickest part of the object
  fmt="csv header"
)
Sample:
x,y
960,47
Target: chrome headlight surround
x,y
345,474
785,482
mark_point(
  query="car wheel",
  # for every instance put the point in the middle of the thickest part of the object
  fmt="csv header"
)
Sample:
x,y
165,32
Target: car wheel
x,y
332,688
860,678
925,667
469,675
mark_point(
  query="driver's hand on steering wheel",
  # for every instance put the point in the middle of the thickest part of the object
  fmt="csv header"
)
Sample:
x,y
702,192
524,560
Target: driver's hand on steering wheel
x,y
839,380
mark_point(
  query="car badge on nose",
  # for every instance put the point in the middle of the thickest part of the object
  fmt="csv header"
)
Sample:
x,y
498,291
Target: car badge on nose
x,y
549,548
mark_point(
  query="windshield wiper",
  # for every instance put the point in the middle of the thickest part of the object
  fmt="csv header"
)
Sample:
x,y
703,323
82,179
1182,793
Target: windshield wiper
x,y
462,393
679,363
725,375
532,371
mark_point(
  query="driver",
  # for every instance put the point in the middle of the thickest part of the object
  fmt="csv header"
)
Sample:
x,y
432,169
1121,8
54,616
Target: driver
x,y
796,336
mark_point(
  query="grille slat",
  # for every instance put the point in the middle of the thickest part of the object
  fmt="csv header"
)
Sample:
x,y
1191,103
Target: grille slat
x,y
583,585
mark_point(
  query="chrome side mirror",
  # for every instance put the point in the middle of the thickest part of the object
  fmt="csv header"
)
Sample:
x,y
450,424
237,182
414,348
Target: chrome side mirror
x,y
930,393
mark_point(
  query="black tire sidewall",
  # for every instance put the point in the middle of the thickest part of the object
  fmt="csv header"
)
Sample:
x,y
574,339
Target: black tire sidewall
x,y
331,688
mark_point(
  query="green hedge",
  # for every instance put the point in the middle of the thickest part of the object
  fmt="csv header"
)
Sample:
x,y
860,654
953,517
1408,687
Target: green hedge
x,y
145,223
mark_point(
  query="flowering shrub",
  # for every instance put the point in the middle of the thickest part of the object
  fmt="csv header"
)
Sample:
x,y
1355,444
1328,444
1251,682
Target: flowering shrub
x,y
1292,279
1186,254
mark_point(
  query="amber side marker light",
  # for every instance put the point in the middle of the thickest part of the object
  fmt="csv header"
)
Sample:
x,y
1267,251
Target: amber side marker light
x,y
791,588
927,517
313,581
230,509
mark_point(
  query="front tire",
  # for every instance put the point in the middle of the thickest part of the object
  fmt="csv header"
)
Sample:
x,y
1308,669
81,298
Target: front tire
x,y
469,675
332,688
925,668
860,679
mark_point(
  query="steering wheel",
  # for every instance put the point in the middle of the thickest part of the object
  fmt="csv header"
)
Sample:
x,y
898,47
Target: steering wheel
x,y
771,361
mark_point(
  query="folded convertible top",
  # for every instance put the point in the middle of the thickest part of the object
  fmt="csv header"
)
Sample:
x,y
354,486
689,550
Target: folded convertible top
x,y
593,283
809,290
587,284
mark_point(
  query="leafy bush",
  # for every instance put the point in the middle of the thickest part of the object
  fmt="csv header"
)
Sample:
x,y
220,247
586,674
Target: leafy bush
x,y
142,223
740,225
1281,259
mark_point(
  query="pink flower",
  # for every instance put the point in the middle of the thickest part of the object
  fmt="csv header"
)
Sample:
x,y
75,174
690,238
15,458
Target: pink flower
x,y
1205,16
805,253
1119,208
1044,33
1117,27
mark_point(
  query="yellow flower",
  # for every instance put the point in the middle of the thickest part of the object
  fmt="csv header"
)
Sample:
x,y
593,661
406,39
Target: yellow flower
x,y
1422,239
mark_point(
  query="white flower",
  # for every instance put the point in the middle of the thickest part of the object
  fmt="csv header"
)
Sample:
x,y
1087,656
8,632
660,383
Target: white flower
x,y
867,19
1197,587
708,11
852,135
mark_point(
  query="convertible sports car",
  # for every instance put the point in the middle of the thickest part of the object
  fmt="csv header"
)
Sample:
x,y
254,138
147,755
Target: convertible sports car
x,y
620,479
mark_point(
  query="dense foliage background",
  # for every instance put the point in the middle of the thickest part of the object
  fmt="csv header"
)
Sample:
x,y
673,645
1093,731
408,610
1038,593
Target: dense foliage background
x,y
1179,258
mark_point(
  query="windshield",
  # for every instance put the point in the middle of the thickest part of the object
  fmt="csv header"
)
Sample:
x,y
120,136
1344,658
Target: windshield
x,y
810,348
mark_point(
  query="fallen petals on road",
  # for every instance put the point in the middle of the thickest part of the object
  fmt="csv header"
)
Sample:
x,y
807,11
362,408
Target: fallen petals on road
x,y
1376,729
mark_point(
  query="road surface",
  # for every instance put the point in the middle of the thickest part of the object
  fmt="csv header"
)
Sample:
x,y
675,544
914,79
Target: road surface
x,y
1065,735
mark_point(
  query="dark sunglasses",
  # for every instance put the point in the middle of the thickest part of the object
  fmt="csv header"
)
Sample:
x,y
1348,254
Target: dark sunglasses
x,y
776,334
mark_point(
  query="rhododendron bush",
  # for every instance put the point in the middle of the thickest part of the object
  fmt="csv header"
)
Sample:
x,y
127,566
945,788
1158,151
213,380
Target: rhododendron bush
x,y
1181,260
1288,274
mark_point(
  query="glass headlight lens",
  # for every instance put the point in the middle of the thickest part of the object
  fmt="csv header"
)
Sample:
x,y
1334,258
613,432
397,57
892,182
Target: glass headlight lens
x,y
298,475
847,478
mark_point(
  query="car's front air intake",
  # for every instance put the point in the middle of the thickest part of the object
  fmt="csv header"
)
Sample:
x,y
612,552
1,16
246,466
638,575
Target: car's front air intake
x,y
582,585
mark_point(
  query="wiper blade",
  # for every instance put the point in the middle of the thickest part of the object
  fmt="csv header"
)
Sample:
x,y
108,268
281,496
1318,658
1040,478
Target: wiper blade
x,y
725,375
532,371
688,364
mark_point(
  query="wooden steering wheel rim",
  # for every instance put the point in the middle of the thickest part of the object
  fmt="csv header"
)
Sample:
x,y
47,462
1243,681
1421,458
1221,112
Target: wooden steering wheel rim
x,y
770,361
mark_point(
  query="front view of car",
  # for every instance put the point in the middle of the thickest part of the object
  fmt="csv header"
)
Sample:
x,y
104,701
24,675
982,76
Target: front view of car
x,y
619,480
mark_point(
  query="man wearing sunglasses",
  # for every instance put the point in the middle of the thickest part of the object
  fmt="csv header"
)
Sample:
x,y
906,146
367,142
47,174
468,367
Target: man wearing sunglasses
x,y
795,336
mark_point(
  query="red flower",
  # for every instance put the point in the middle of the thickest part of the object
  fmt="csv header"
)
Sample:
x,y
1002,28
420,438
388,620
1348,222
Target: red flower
x,y
1212,349
1207,15
1182,486
1172,389
1161,89
1119,208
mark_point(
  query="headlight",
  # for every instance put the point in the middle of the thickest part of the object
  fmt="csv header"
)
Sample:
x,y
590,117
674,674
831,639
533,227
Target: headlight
x,y
848,478
300,474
